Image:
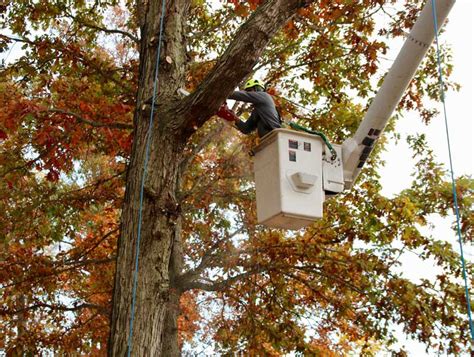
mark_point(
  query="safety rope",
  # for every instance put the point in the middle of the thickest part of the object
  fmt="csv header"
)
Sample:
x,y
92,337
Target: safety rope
x,y
142,185
453,182
325,139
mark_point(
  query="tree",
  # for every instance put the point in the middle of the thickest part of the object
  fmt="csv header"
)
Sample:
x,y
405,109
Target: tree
x,y
67,140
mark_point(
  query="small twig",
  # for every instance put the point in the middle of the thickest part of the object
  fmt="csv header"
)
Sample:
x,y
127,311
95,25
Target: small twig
x,y
87,251
220,285
57,272
104,29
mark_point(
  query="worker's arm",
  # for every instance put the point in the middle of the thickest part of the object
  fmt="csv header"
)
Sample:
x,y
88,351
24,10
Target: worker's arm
x,y
246,127
227,114
248,97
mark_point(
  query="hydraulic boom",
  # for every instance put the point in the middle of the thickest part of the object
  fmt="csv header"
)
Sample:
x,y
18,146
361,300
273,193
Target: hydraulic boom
x,y
357,149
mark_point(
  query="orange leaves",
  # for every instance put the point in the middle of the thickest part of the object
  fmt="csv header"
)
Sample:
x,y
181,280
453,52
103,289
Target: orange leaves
x,y
197,72
291,30
84,107
125,142
37,262
61,187
254,3
61,233
14,108
189,317
242,8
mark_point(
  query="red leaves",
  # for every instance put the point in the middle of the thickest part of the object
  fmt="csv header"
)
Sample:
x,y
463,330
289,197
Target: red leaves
x,y
3,135
84,107
53,175
125,142
291,30
14,110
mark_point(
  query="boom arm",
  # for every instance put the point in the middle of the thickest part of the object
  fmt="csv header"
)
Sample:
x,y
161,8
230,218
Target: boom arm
x,y
357,149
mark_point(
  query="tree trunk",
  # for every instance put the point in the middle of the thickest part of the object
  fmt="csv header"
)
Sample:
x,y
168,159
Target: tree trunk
x,y
160,230
156,310
161,222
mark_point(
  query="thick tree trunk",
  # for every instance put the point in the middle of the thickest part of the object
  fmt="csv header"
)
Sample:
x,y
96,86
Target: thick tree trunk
x,y
156,311
160,230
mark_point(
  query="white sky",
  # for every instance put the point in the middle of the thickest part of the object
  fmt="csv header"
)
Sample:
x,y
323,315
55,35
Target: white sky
x,y
459,33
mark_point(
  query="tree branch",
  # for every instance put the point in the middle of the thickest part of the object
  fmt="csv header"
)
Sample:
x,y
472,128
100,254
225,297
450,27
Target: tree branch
x,y
89,122
111,31
70,266
76,259
57,307
17,39
200,146
199,35
100,28
206,260
236,63
197,189
220,285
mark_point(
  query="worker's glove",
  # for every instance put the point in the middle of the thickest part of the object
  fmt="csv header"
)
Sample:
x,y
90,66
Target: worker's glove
x,y
225,113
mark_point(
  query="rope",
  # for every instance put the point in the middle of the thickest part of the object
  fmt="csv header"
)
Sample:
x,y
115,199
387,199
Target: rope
x,y
142,185
325,139
453,182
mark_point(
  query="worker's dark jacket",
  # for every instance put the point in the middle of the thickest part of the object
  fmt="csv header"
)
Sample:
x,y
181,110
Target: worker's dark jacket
x,y
264,116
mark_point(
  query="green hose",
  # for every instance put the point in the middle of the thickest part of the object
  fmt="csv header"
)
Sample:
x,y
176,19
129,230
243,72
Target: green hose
x,y
326,141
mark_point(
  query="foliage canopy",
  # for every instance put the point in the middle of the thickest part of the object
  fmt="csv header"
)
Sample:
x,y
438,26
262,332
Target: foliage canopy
x,y
65,139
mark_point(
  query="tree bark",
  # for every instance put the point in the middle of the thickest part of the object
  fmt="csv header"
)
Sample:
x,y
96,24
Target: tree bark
x,y
155,331
161,221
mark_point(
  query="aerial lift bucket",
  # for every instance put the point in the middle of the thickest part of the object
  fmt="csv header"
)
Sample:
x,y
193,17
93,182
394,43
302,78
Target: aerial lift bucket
x,y
290,182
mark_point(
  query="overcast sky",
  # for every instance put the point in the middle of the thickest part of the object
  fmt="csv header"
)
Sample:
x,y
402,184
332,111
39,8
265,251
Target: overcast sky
x,y
459,33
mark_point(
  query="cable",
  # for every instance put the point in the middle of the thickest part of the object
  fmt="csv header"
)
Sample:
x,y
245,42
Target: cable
x,y
453,182
142,185
9,52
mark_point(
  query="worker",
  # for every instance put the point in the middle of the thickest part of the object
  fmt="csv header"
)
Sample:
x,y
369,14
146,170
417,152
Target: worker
x,y
264,116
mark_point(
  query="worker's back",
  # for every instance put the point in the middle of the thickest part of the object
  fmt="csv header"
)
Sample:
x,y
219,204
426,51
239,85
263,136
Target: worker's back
x,y
264,117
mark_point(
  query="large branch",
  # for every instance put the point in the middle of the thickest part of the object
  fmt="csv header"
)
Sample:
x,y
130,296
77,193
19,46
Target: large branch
x,y
237,61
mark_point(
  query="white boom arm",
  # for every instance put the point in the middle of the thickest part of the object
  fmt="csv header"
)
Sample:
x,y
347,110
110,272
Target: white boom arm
x,y
356,150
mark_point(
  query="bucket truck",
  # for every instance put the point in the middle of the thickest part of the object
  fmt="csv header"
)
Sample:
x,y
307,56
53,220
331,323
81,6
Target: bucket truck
x,y
295,172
